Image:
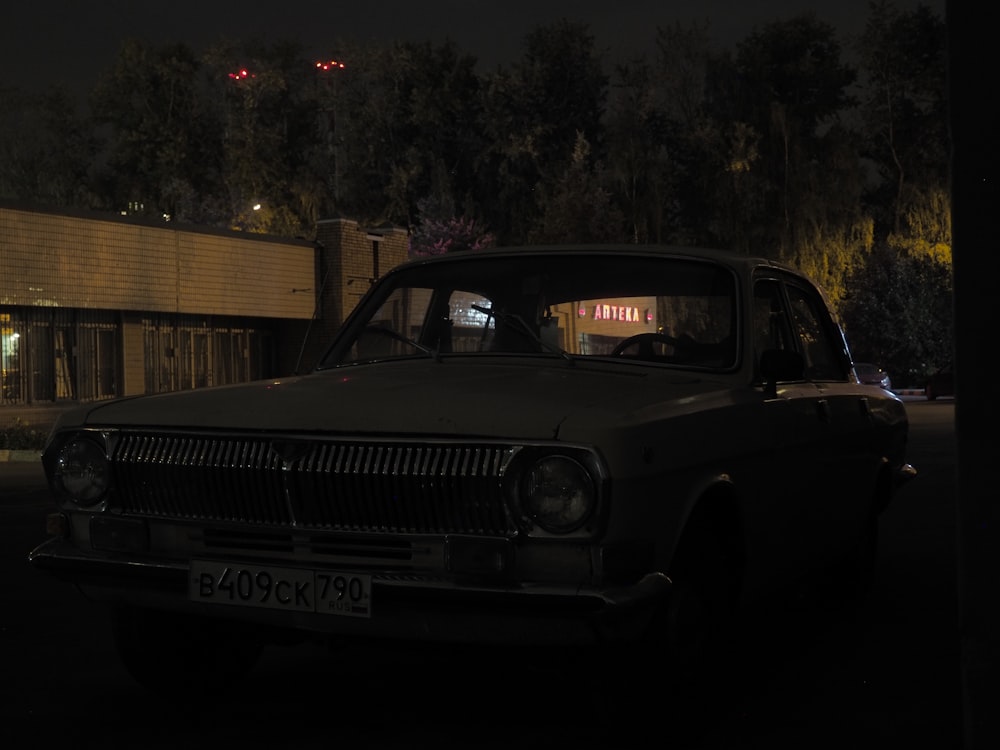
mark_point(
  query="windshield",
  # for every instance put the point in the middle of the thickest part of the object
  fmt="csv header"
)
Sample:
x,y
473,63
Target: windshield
x,y
673,311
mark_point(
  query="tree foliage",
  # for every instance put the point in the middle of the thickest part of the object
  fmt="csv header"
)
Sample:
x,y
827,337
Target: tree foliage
x,y
898,313
777,147
904,110
453,234
266,101
788,84
163,151
532,114
46,149
407,125
576,206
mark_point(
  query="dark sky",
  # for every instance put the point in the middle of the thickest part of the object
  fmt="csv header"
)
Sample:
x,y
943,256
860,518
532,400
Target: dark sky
x,y
47,41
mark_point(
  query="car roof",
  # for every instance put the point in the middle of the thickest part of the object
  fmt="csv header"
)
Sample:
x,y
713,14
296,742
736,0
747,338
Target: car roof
x,y
647,251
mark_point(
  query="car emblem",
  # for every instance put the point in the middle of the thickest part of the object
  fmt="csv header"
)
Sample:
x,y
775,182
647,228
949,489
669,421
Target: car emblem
x,y
289,452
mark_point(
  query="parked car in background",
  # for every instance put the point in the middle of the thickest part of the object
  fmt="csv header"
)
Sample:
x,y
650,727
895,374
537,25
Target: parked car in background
x,y
870,374
941,382
590,447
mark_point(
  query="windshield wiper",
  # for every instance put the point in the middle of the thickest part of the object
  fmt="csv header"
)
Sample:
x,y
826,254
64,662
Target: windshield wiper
x,y
516,323
397,336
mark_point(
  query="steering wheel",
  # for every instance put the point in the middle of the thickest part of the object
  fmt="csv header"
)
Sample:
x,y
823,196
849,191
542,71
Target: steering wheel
x,y
645,341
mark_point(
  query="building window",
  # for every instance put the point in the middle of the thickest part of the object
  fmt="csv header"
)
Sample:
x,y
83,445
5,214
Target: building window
x,y
55,354
97,362
184,353
10,359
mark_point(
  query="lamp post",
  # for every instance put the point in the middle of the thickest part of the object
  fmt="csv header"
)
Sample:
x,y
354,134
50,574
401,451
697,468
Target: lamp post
x,y
329,108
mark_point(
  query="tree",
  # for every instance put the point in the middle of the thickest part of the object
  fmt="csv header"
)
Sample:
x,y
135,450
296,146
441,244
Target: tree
x,y
577,208
904,112
163,153
267,104
47,149
533,112
642,159
439,233
786,84
408,118
898,312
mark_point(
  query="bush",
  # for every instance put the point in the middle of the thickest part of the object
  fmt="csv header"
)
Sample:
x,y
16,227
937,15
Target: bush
x,y
20,436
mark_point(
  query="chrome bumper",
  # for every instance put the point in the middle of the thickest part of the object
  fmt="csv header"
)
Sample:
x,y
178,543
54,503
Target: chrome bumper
x,y
407,609
904,474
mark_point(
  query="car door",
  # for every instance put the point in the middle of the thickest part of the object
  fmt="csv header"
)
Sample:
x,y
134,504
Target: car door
x,y
802,518
844,427
777,516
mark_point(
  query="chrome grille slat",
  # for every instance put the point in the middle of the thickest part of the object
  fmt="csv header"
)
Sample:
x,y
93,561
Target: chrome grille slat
x,y
362,486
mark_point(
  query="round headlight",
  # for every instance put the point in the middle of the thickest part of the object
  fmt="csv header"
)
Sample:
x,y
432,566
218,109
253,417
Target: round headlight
x,y
558,494
81,471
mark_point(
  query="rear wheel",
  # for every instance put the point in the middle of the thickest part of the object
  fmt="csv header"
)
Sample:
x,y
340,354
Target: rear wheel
x,y
861,562
182,655
850,578
857,574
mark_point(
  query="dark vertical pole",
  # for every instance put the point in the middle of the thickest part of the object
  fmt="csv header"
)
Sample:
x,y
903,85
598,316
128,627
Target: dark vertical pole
x,y
971,76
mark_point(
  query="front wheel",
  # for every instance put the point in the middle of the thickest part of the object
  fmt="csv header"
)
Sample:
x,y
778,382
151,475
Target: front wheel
x,y
695,626
680,673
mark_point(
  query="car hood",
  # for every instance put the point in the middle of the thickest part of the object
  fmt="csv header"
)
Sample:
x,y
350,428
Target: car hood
x,y
527,401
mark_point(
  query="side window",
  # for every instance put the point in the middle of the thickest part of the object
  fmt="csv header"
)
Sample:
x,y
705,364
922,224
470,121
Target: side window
x,y
818,347
771,327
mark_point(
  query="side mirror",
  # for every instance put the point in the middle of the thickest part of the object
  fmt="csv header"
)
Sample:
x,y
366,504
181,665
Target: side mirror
x,y
780,364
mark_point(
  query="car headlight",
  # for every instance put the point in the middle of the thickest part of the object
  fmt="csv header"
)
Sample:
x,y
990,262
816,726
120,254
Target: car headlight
x,y
81,471
558,494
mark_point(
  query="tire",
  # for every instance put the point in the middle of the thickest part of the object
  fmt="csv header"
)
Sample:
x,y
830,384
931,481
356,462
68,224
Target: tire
x,y
859,568
850,581
179,656
679,675
863,561
696,623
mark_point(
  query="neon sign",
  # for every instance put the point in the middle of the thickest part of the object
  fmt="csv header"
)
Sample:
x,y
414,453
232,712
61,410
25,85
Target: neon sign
x,y
618,313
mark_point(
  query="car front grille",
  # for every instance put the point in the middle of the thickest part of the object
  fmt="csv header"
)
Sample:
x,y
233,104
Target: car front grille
x,y
364,486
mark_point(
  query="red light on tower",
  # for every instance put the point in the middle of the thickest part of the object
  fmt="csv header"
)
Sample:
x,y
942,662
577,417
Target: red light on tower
x,y
241,75
329,65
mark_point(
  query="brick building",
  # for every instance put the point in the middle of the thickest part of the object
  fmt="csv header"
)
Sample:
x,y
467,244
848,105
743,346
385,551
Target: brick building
x,y
94,307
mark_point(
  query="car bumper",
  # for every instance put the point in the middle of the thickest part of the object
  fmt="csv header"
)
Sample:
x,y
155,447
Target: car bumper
x,y
904,474
406,609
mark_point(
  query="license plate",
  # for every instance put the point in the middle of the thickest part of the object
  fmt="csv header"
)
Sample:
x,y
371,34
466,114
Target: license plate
x,y
291,589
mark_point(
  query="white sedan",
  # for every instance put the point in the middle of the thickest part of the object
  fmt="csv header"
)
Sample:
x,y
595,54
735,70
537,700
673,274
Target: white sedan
x,y
597,447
